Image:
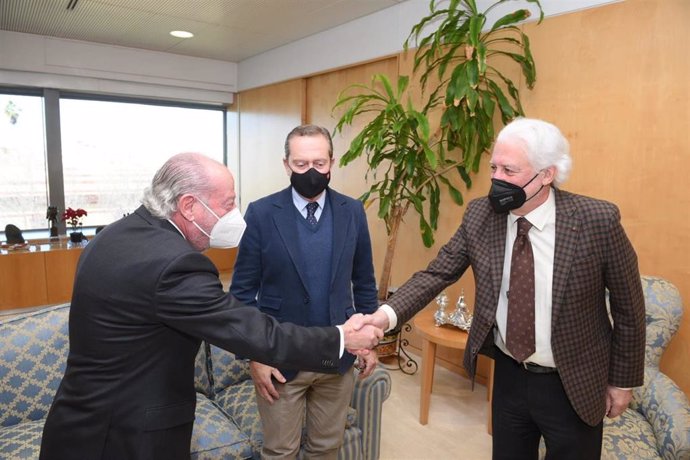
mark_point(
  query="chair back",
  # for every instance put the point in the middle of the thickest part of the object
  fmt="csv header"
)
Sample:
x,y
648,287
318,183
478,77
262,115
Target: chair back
x,y
664,311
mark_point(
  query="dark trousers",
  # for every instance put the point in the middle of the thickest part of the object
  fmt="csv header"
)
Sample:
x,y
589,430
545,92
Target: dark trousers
x,y
527,406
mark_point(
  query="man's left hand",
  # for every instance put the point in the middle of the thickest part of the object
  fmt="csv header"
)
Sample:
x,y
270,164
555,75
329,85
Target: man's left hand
x,y
366,364
617,401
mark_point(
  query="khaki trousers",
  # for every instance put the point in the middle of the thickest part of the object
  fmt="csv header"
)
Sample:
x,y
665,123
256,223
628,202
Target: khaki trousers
x,y
312,400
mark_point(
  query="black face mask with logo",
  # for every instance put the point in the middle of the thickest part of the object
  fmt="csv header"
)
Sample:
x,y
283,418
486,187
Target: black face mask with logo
x,y
505,196
311,183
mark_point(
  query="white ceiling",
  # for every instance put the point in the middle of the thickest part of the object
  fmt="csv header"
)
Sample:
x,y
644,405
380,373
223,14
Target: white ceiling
x,y
226,30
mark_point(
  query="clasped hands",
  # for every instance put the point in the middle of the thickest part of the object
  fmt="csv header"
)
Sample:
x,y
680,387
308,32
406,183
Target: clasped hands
x,y
363,332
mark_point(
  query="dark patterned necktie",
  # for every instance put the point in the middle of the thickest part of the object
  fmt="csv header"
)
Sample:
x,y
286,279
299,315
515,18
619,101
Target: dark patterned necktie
x,y
520,325
311,212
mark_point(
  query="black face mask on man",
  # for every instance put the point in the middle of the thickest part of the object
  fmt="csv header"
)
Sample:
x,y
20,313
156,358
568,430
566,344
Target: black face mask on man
x,y
311,183
505,196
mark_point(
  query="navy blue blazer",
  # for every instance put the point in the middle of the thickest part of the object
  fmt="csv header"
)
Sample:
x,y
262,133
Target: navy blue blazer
x,y
269,270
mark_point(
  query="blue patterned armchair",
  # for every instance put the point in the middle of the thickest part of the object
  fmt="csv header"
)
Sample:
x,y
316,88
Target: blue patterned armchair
x,y
657,423
33,354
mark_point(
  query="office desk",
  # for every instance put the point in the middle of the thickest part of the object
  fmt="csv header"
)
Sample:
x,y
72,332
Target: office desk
x,y
43,272
40,274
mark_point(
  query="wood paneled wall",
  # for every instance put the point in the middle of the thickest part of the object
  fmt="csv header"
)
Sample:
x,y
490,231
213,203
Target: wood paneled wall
x,y
266,116
615,79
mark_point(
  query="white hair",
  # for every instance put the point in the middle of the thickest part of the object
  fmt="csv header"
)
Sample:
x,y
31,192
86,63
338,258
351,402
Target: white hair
x,y
544,145
184,173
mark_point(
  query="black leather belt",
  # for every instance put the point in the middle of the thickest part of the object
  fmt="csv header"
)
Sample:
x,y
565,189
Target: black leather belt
x,y
537,369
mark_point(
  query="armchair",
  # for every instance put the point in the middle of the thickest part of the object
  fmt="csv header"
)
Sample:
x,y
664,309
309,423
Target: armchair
x,y
656,425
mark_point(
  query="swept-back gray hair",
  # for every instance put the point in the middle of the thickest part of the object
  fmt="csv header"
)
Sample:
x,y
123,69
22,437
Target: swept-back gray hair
x,y
181,174
544,145
309,130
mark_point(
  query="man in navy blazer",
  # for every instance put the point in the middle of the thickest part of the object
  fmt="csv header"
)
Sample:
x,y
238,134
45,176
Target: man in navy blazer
x,y
306,259
144,297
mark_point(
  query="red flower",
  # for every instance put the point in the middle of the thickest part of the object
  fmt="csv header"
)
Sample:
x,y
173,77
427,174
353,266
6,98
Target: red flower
x,y
73,217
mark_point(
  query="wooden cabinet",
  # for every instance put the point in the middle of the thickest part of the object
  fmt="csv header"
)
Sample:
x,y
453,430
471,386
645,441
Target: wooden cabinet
x,y
43,274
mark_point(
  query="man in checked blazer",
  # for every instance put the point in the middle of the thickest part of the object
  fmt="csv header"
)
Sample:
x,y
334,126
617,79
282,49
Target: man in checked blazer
x,y
583,365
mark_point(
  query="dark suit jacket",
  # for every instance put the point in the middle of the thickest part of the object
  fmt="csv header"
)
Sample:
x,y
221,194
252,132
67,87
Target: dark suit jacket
x,y
143,299
269,270
592,254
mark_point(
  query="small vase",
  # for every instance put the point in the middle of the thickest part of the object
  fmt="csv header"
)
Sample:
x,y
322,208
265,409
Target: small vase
x,y
76,237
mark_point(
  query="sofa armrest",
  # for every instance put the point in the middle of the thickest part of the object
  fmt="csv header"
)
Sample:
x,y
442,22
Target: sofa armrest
x,y
667,410
367,399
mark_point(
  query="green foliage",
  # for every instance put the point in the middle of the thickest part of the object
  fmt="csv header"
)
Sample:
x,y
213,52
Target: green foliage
x,y
474,88
410,160
398,145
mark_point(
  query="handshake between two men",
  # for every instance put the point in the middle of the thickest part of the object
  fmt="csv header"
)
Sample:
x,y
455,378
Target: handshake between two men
x,y
363,332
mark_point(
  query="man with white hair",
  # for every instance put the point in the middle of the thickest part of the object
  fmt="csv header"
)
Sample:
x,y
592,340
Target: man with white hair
x,y
144,298
543,260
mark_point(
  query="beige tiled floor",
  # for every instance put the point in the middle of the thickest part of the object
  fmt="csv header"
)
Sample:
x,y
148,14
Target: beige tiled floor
x,y
457,419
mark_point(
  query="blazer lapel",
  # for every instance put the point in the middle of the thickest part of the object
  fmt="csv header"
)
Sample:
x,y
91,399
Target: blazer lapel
x,y
496,236
341,223
567,235
284,221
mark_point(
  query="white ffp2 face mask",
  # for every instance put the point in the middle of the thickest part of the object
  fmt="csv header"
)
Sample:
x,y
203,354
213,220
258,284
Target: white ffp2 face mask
x,y
227,232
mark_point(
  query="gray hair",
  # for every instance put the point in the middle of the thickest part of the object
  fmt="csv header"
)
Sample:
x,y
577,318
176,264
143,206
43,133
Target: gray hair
x,y
184,173
309,130
544,145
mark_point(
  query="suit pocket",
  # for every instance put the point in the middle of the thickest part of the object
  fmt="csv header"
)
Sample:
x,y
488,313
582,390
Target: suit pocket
x,y
270,304
164,417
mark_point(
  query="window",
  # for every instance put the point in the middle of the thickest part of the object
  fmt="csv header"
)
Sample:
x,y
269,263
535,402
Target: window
x,y
104,155
23,183
111,150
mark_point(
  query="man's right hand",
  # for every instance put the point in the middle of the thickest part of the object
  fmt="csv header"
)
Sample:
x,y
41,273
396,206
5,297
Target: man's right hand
x,y
261,375
379,319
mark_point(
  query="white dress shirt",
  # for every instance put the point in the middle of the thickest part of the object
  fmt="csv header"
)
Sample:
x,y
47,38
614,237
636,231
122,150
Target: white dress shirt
x,y
542,236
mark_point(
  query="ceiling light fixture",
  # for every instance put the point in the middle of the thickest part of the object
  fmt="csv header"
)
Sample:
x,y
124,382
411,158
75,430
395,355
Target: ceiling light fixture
x,y
181,34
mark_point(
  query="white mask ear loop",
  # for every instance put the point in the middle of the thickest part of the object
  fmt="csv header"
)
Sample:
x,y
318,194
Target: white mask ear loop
x,y
212,213
208,209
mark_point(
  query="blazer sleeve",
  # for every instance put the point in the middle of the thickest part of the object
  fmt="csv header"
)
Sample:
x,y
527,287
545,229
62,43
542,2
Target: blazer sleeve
x,y
627,308
446,268
190,298
363,280
246,275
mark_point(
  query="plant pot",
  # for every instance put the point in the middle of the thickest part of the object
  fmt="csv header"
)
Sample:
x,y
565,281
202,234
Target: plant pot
x,y
76,237
388,345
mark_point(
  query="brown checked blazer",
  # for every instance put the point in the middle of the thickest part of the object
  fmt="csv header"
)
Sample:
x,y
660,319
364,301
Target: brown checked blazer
x,y
592,255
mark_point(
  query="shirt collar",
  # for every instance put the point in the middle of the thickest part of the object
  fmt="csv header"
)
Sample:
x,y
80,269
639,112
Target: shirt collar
x,y
177,228
540,216
301,202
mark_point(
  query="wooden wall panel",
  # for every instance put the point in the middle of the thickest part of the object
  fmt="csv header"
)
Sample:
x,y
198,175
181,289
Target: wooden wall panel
x,y
266,116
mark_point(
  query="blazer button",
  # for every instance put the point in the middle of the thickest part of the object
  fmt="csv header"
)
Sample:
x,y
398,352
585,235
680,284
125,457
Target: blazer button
x,y
306,300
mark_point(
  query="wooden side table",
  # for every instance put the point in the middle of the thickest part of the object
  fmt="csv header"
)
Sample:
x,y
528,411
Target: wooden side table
x,y
447,336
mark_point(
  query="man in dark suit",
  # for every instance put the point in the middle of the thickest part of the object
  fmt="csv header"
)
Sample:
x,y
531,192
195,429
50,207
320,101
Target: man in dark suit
x,y
306,259
144,297
561,365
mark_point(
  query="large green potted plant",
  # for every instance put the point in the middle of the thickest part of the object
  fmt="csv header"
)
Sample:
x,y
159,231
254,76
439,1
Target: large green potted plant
x,y
408,160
